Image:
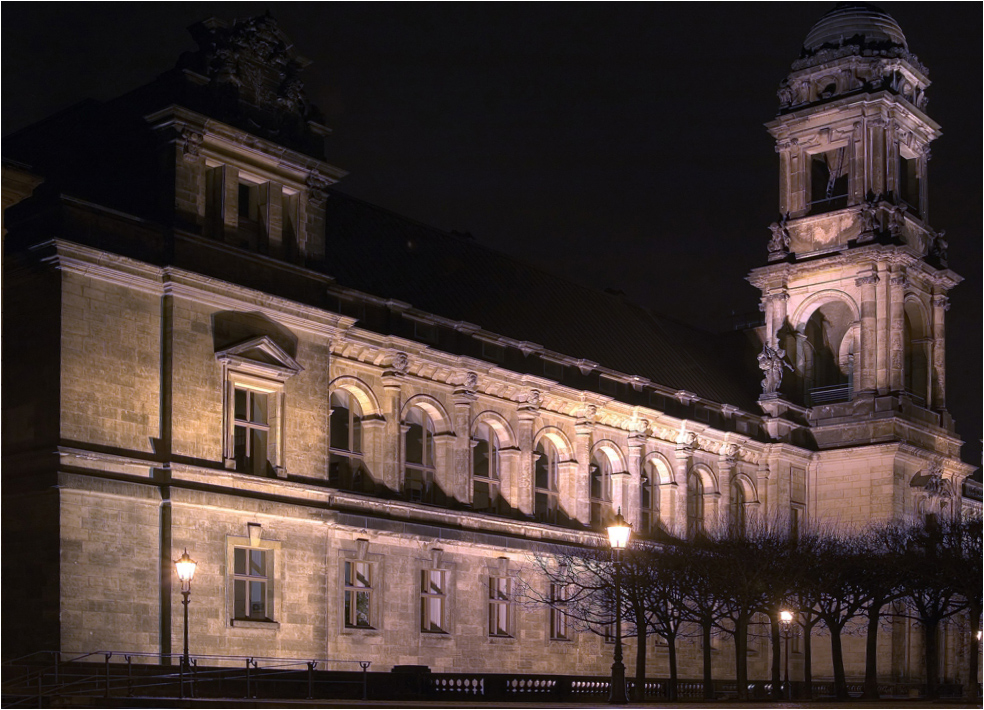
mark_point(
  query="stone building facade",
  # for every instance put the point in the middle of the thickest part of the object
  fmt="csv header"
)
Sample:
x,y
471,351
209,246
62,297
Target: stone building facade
x,y
209,349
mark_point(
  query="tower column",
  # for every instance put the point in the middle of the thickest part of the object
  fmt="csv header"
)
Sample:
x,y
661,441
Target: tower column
x,y
896,338
580,503
869,332
940,305
522,483
630,497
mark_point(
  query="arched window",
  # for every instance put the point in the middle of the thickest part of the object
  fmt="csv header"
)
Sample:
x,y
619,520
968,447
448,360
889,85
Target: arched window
x,y
695,505
346,466
649,501
739,509
545,482
600,490
419,446
485,469
825,366
915,359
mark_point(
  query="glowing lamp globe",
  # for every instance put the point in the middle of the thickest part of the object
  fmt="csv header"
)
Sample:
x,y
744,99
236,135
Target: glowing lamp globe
x,y
185,567
618,532
786,617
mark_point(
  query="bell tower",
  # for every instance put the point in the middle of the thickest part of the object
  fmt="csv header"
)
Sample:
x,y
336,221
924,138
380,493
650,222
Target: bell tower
x,y
855,290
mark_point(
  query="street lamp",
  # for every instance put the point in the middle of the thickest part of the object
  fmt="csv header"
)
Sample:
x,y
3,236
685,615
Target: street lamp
x,y
185,567
618,537
786,620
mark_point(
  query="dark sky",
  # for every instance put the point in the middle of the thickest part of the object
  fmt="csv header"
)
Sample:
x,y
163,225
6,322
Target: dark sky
x,y
618,144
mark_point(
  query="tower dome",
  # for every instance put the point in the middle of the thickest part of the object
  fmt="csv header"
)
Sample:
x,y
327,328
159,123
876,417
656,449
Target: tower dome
x,y
858,24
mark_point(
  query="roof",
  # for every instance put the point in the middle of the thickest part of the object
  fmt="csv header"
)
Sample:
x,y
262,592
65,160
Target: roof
x,y
375,251
854,22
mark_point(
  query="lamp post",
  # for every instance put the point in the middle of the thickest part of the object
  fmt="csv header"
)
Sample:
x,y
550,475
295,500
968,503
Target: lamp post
x,y
618,537
185,567
786,620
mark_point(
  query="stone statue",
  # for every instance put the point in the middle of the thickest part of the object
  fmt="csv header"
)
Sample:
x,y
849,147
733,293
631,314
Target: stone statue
x,y
779,244
867,215
771,361
939,247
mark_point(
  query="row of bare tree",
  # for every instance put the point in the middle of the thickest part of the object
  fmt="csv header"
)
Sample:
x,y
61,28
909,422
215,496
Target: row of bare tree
x,y
834,583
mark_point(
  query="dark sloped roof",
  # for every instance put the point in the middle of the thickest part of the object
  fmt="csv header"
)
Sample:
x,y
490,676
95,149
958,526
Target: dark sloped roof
x,y
378,252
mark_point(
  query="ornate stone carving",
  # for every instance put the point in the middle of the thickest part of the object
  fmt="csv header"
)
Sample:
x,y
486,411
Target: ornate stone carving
x,y
941,302
400,362
771,361
471,381
897,221
779,243
900,280
534,398
317,185
191,143
687,442
867,279
730,453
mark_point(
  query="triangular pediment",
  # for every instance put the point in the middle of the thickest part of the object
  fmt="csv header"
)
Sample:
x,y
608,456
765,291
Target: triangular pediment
x,y
260,354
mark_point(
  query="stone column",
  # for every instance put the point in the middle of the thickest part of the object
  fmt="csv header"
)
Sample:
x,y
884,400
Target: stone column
x,y
522,483
869,331
876,156
682,458
940,305
461,472
882,359
783,148
726,468
775,314
391,460
857,164
896,339
579,503
630,495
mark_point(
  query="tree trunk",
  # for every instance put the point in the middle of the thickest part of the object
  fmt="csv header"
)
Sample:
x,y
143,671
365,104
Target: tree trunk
x,y
639,689
706,652
871,654
971,692
776,659
671,689
741,656
807,662
837,658
931,627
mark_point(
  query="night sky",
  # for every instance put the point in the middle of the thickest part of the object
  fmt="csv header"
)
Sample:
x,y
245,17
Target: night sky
x,y
619,145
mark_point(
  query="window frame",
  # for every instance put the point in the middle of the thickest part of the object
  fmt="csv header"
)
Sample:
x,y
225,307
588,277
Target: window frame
x,y
500,608
443,626
559,594
357,477
274,601
354,591
427,468
551,493
494,477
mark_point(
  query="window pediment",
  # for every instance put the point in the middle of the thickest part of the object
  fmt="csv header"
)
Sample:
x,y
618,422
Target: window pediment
x,y
260,356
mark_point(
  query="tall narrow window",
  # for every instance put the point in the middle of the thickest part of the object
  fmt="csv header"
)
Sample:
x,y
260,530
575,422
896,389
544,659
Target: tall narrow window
x,y
291,230
600,492
358,595
545,482
695,505
251,431
909,181
419,440
250,583
500,606
559,627
829,180
433,601
650,499
738,509
485,469
346,466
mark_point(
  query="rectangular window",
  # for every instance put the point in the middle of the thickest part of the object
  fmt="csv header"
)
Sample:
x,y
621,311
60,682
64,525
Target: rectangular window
x,y
553,370
559,629
250,582
433,600
500,606
909,181
358,595
493,352
607,385
250,431
425,332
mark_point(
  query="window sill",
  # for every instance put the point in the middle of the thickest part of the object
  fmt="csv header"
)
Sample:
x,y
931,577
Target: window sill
x,y
249,624
508,640
360,631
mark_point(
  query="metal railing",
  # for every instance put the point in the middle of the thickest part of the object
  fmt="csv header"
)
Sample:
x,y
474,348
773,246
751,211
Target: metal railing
x,y
831,393
44,675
